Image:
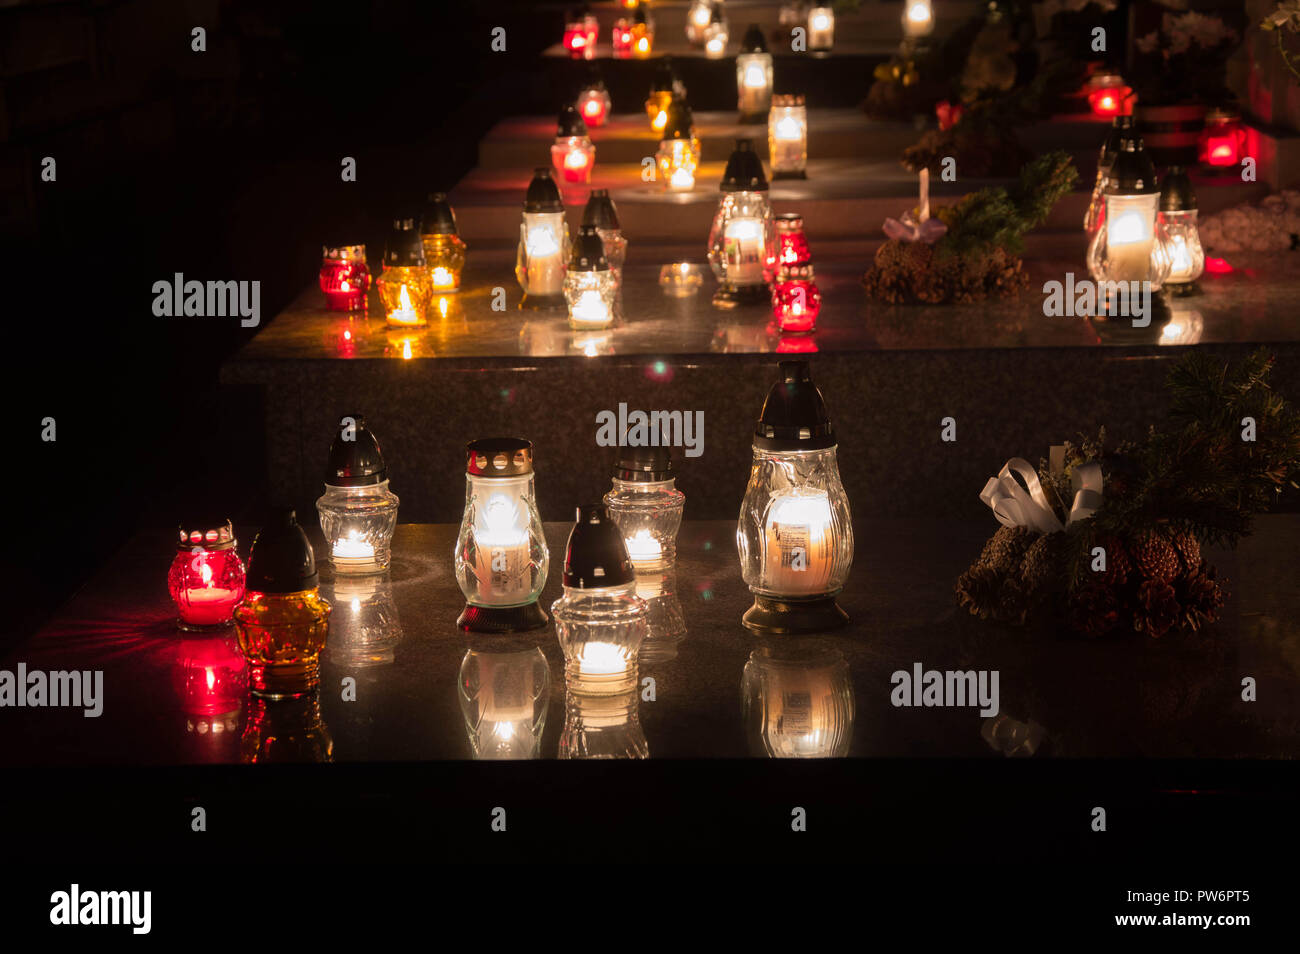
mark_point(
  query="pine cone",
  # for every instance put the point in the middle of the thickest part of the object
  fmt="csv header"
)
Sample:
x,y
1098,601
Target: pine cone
x,y
977,591
1118,563
1005,549
1094,610
1202,595
1041,570
1012,603
1155,558
1188,549
1158,609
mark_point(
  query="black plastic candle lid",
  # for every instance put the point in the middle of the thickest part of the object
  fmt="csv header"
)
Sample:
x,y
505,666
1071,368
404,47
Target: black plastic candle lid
x,y
744,171
644,464
589,251
639,16
404,248
499,457
439,217
600,211
794,415
1120,128
716,15
281,560
753,40
596,555
679,121
543,194
570,123
357,462
1176,194
1132,172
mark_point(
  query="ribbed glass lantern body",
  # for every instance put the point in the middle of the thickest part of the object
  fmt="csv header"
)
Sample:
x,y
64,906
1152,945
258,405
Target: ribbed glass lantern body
x,y
590,297
503,697
742,241
501,554
358,523
798,704
542,254
648,514
795,534
1183,242
282,635
677,160
1130,244
600,631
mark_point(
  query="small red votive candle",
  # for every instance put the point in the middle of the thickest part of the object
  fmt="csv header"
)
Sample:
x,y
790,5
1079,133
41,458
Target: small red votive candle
x,y
206,579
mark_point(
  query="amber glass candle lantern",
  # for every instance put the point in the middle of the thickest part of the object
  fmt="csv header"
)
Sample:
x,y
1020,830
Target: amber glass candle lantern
x,y
404,284
344,277
589,283
643,32
358,513
543,245
742,247
501,555
1182,239
753,76
660,97
600,621
206,579
795,535
444,250
678,155
594,104
283,623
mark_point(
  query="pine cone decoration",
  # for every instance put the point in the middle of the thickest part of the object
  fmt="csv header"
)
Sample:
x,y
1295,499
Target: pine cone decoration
x,y
1155,558
1202,595
1189,550
1005,549
1094,610
1118,563
1158,609
1041,570
1012,603
977,591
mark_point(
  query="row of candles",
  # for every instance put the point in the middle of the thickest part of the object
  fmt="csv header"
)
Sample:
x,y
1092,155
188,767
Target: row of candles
x,y
794,537
1142,230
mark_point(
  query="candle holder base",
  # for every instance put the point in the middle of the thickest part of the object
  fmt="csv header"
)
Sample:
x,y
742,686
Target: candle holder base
x,y
502,619
787,617
542,303
801,174
741,295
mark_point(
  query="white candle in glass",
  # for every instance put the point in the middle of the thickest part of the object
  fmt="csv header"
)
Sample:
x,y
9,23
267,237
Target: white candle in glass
x,y
797,552
1130,231
642,547
743,243
602,659
502,562
544,252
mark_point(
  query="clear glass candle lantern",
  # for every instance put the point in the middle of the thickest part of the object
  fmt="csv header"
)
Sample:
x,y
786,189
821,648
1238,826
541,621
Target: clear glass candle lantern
x,y
444,249
344,277
742,246
600,621
646,506
795,535
543,244
601,214
594,104
206,579
787,137
678,156
605,726
501,554
573,154
358,513
504,691
716,34
918,18
1121,127
798,701
364,626
1182,240
1128,247
821,29
589,283
404,284
283,623
697,21
1222,142
753,76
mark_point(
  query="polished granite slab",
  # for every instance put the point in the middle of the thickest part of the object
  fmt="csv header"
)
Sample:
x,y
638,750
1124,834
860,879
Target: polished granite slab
x,y
1058,696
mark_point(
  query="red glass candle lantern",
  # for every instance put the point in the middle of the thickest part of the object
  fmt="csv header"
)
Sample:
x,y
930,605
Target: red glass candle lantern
x,y
580,32
573,153
594,103
206,580
622,38
1108,97
792,242
1223,140
344,277
211,675
796,301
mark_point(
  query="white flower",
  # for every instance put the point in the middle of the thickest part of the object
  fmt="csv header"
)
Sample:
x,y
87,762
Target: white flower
x,y
1286,16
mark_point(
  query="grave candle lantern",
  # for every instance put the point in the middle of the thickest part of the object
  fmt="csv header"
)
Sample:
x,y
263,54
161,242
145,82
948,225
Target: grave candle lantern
x,y
1127,246
1223,139
206,578
580,32
444,250
1182,239
678,156
622,38
795,535
543,244
646,505
283,623
660,98
753,76
821,29
358,513
1121,127
697,21
600,621
589,283
643,33
742,248
344,277
573,153
601,214
405,285
787,137
1108,96
715,34
918,18
501,555
594,104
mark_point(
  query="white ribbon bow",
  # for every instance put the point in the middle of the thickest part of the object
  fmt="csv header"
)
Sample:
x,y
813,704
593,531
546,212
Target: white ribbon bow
x,y
1014,506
